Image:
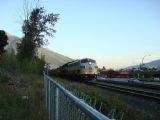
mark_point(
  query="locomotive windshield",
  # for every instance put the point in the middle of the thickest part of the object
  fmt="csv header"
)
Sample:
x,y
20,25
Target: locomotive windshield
x,y
88,60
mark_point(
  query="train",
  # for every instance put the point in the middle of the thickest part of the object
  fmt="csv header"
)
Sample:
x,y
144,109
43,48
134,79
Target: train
x,y
85,69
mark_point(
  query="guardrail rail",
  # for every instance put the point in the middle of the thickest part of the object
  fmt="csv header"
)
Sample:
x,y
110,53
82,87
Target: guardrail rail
x,y
63,105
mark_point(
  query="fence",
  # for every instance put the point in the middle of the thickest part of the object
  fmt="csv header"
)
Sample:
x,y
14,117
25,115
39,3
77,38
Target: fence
x,y
63,105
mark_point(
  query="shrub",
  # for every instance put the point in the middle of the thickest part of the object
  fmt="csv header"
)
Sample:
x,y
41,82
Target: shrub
x,y
32,66
9,62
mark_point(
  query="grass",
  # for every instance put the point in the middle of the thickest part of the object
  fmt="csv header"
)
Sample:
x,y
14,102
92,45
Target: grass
x,y
21,98
21,89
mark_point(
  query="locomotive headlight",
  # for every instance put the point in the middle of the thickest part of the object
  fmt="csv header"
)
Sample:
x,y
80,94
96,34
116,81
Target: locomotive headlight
x,y
90,63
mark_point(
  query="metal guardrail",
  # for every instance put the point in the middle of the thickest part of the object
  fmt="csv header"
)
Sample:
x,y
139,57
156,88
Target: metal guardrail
x,y
63,105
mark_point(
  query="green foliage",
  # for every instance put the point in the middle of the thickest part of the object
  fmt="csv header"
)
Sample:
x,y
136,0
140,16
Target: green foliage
x,y
3,41
13,104
9,62
16,82
32,66
35,28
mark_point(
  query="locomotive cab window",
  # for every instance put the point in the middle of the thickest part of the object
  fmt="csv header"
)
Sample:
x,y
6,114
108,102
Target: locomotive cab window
x,y
84,61
88,60
92,61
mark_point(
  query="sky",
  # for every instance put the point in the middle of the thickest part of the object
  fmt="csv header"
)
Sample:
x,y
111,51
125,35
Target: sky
x,y
116,33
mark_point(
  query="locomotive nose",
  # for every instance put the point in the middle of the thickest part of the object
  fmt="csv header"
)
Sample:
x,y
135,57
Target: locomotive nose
x,y
90,68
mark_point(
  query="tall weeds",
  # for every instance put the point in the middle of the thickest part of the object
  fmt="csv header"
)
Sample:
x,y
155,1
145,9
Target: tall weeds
x,y
9,62
21,89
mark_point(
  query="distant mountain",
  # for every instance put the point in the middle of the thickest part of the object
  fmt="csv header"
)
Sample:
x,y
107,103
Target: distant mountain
x,y
154,63
54,59
12,42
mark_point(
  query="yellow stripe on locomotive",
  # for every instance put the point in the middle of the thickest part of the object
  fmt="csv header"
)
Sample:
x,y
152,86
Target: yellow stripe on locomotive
x,y
89,71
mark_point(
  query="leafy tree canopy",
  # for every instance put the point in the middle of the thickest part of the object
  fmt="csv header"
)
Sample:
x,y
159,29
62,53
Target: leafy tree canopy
x,y
3,41
35,28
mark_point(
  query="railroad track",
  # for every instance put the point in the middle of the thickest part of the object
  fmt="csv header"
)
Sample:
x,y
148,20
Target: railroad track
x,y
150,94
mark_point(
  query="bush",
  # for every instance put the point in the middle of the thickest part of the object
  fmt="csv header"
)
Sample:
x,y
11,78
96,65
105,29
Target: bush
x,y
32,66
9,62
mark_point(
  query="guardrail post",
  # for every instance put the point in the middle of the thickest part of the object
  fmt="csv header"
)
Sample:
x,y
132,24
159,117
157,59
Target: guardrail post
x,y
56,103
52,89
121,118
49,98
45,88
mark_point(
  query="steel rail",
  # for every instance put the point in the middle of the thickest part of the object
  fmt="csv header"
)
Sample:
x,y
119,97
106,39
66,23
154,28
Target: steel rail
x,y
137,92
135,88
134,84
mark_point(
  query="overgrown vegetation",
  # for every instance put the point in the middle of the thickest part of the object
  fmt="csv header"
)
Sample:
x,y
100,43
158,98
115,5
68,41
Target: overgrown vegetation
x,y
21,89
9,62
21,96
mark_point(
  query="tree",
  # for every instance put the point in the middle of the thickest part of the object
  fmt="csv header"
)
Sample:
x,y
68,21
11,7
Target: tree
x,y
35,27
3,41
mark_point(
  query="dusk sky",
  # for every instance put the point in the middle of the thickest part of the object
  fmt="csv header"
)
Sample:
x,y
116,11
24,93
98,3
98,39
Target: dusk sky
x,y
116,33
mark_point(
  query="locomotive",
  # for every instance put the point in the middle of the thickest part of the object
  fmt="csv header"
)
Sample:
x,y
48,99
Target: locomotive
x,y
83,68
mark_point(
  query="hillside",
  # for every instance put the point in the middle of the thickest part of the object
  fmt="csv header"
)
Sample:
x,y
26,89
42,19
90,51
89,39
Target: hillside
x,y
154,63
12,42
54,59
